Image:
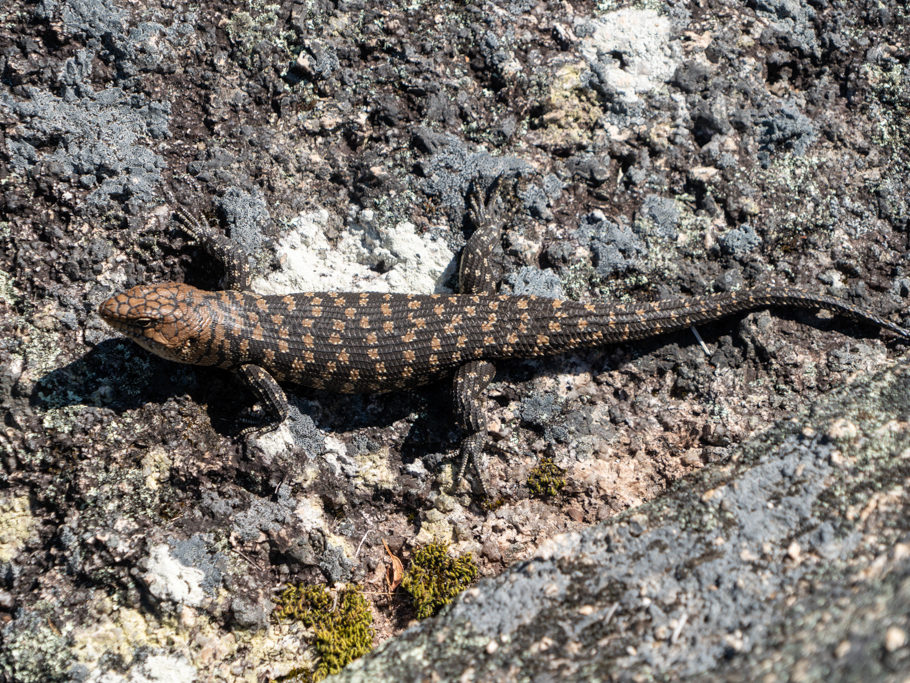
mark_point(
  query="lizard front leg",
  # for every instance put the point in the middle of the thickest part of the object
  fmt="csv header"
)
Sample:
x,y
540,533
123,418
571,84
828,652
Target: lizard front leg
x,y
236,268
258,380
270,395
477,270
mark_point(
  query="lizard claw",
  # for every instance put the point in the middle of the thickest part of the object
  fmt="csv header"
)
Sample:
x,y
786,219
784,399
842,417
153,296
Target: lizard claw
x,y
472,452
484,203
196,227
236,269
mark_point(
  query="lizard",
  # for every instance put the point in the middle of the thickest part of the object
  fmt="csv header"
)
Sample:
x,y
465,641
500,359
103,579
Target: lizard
x,y
355,342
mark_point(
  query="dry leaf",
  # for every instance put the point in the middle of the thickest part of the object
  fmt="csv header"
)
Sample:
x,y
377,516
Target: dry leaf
x,y
395,573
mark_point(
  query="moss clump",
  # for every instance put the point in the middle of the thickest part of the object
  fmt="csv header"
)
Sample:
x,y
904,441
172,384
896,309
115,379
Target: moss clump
x,y
547,479
342,624
434,578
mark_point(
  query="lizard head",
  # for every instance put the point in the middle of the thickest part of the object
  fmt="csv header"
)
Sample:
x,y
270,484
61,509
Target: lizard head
x,y
164,319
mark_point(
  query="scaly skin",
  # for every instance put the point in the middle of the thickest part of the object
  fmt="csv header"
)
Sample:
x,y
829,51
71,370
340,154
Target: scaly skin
x,y
371,342
365,342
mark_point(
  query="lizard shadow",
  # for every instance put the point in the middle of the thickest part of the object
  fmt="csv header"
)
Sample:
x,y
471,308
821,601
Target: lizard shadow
x,y
117,375
341,413
426,411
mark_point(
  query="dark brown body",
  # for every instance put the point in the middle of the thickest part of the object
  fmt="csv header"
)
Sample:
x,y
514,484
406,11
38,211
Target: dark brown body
x,y
354,342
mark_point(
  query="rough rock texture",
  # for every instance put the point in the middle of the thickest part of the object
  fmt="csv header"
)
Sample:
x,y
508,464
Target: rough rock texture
x,y
696,147
793,559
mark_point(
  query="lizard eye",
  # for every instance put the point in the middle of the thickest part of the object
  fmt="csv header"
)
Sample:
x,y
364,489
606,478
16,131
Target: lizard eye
x,y
144,322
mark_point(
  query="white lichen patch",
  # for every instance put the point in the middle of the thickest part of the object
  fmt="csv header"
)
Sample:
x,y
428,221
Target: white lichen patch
x,y
16,524
311,513
163,669
642,39
275,442
168,578
309,262
337,460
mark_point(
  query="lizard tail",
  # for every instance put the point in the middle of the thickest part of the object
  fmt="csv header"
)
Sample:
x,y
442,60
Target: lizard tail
x,y
643,320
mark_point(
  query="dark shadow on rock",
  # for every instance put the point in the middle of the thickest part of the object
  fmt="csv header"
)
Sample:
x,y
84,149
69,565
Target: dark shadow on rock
x,y
434,431
120,376
115,374
344,412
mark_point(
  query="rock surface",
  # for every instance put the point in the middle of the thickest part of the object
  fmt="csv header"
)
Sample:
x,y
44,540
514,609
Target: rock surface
x,y
791,559
695,147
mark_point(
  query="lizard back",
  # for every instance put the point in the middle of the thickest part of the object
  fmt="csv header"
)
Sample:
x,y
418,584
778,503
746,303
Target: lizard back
x,y
371,341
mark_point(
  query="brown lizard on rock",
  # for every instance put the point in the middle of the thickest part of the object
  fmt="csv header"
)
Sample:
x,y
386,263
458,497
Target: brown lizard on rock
x,y
374,342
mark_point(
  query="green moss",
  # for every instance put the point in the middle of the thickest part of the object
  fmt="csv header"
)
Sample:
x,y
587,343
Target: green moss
x,y
434,578
342,625
547,479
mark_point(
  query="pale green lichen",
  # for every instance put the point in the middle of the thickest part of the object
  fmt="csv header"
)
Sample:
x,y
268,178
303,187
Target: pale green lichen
x,y
7,290
16,524
892,98
34,650
259,23
571,110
